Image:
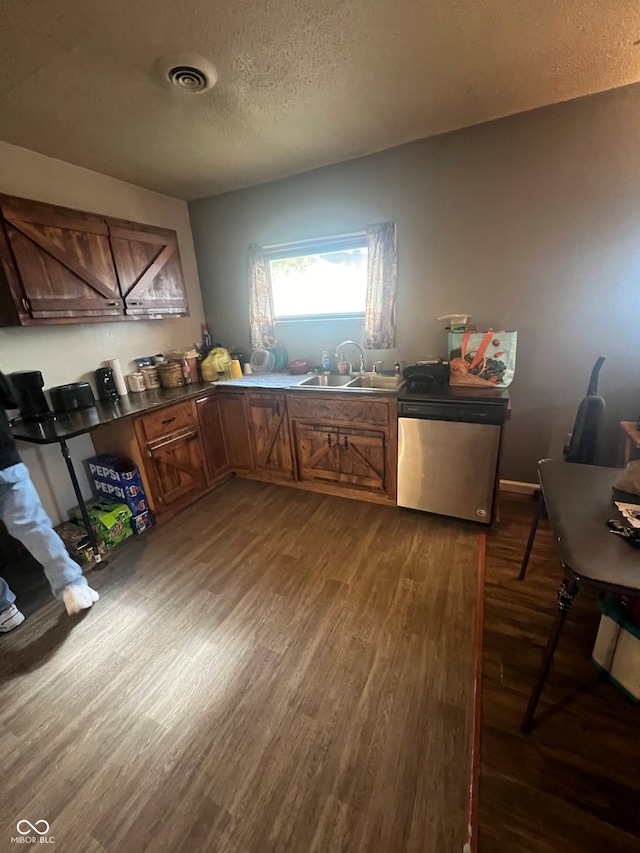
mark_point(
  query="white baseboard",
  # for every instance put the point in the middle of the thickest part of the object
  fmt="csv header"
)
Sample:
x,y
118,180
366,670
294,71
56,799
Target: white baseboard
x,y
519,487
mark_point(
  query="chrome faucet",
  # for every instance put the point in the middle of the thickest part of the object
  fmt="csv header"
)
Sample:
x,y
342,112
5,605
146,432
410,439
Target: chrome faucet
x,y
358,347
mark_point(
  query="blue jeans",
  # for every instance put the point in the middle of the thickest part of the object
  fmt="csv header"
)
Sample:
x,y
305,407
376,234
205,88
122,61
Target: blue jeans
x,y
26,520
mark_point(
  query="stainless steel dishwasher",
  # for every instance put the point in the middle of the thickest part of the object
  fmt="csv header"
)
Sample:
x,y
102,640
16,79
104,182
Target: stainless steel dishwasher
x,y
448,455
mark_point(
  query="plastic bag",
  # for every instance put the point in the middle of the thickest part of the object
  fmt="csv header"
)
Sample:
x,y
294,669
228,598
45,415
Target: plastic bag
x,y
214,366
482,358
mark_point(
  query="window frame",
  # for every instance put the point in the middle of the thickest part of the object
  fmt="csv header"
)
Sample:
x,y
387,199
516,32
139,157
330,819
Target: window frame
x,y
320,245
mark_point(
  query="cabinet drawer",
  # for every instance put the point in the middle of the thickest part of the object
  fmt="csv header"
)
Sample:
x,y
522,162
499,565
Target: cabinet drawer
x,y
168,420
338,411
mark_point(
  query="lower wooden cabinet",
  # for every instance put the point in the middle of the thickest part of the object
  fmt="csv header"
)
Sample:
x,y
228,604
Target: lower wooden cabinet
x,y
355,458
235,427
176,470
212,434
317,452
363,461
269,435
332,444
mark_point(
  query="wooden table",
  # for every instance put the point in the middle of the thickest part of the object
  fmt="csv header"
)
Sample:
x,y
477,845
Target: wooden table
x,y
629,444
579,502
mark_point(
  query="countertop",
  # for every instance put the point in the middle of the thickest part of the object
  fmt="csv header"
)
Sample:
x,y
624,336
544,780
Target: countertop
x,y
61,427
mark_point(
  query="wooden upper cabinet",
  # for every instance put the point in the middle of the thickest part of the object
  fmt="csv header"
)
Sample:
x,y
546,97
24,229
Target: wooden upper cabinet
x,y
57,263
66,266
148,265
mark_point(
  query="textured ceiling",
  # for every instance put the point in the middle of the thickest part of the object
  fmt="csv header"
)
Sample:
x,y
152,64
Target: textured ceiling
x,y
302,83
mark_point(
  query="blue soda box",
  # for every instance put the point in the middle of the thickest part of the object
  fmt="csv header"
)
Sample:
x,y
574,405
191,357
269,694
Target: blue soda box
x,y
115,469
117,478
140,523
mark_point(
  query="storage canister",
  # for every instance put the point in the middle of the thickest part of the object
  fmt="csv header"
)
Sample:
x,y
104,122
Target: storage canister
x,y
151,377
136,381
171,374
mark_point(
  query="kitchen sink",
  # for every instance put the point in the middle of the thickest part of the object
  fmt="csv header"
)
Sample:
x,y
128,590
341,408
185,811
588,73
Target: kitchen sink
x,y
377,382
331,381
361,382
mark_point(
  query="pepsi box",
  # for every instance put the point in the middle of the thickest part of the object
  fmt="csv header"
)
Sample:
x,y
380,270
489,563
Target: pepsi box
x,y
141,522
117,478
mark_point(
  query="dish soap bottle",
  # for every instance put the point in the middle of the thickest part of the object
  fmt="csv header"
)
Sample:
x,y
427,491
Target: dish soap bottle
x,y
326,361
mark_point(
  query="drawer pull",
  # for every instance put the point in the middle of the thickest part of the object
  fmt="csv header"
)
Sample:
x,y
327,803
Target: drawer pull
x,y
328,439
113,304
168,420
346,442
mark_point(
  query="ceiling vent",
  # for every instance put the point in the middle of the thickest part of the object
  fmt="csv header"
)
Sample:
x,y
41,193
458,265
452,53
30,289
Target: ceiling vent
x,y
192,74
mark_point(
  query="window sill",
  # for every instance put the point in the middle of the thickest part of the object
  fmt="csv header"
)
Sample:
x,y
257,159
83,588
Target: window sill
x,y
322,318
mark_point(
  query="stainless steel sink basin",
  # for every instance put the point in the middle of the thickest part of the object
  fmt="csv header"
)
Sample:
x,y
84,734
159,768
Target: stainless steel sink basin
x,y
376,382
362,382
331,381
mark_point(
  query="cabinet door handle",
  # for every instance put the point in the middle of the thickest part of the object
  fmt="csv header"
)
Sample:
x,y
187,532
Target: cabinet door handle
x,y
25,305
278,409
328,439
346,442
168,420
132,302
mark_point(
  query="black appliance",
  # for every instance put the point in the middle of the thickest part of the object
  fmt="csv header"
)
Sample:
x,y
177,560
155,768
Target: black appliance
x,y
428,375
71,397
29,385
106,385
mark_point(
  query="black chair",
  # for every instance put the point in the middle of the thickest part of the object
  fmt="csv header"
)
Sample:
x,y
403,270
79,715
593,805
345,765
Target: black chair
x,y
582,446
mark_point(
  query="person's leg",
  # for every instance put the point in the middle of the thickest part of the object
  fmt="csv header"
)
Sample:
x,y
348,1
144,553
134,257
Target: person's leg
x,y
6,596
27,521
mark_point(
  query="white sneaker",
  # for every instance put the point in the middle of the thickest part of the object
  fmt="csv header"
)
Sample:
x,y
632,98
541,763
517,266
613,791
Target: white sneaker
x,y
78,597
10,619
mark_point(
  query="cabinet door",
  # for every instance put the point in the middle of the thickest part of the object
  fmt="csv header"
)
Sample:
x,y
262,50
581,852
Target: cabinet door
x,y
317,452
148,265
362,459
62,260
233,414
269,432
177,468
211,432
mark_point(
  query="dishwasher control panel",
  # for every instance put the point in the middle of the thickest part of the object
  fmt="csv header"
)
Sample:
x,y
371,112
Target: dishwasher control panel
x,y
449,410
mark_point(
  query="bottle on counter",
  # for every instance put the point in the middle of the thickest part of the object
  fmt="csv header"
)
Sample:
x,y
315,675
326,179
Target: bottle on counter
x,y
326,361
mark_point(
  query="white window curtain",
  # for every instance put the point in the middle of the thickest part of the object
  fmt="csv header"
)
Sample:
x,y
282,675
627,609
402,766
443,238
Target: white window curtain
x,y
260,302
382,280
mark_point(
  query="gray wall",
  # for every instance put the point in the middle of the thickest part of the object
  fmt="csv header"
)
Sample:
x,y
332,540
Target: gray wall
x,y
529,223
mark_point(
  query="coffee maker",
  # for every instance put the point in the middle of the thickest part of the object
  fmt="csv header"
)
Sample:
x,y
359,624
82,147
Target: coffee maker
x,y
33,404
106,385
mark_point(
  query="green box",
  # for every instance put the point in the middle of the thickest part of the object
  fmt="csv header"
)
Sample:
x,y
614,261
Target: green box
x,y
109,520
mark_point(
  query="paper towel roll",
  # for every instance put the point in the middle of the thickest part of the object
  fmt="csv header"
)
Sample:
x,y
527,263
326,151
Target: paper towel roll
x,y
121,385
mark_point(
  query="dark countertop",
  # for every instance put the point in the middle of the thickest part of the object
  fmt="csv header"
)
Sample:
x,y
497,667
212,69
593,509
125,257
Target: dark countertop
x,y
51,430
460,394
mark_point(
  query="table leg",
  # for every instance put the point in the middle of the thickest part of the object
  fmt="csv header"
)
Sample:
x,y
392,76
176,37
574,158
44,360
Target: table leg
x,y
567,591
532,536
97,556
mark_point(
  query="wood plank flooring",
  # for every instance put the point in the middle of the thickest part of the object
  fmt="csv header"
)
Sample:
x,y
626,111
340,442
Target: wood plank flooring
x,y
274,671
573,783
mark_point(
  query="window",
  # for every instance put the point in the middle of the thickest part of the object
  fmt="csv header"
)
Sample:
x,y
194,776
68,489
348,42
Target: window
x,y
320,279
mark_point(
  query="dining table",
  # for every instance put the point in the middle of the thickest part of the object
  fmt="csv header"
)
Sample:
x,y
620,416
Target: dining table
x,y
580,500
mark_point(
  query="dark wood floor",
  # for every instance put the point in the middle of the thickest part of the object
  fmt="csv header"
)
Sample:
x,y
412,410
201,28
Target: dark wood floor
x,y
274,671
573,784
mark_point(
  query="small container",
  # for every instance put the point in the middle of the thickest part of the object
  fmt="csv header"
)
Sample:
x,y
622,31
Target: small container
x,y
248,370
344,367
236,370
151,377
326,361
171,374
135,381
